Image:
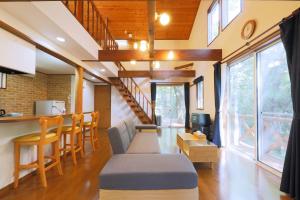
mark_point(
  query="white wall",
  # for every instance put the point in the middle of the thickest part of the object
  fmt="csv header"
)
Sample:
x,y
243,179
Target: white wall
x,y
120,110
266,14
88,98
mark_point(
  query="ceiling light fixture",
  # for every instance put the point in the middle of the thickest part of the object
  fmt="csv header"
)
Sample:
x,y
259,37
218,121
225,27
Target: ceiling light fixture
x,y
61,39
156,64
170,55
102,70
133,62
143,45
93,78
135,45
130,35
164,19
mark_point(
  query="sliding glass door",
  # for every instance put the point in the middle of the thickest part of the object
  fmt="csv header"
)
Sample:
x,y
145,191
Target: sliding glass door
x,y
241,106
170,105
260,106
275,105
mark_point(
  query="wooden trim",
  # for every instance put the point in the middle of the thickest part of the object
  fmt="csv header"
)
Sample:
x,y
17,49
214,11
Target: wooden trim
x,y
161,55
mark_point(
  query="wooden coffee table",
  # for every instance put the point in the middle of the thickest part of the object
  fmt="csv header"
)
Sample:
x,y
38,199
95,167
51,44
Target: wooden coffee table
x,y
197,150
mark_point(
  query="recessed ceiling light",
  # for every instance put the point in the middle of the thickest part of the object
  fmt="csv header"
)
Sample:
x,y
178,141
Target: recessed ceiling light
x,y
170,55
164,19
156,64
130,35
143,45
135,45
102,70
133,62
93,78
61,39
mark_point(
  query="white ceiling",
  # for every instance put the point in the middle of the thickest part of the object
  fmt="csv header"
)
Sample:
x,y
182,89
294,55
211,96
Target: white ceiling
x,y
48,64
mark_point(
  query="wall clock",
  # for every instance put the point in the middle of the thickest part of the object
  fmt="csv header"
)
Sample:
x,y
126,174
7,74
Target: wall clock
x,y
248,29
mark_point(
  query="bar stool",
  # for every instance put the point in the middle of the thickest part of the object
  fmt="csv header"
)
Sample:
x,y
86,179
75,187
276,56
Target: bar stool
x,y
40,140
74,132
92,126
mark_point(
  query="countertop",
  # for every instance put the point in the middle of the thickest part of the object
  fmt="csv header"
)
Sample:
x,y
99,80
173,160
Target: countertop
x,y
30,117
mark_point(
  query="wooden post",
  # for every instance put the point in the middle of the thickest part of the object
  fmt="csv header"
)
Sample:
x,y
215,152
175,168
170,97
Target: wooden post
x,y
79,89
79,15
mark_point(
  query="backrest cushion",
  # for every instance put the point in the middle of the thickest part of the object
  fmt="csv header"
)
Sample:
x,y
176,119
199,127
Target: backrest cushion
x,y
130,128
119,138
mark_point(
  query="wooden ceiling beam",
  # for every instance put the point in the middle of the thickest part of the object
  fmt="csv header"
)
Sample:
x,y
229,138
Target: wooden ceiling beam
x,y
159,74
161,55
184,66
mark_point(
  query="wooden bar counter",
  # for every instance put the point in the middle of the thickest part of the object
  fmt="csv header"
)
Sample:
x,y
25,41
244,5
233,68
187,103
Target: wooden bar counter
x,y
10,128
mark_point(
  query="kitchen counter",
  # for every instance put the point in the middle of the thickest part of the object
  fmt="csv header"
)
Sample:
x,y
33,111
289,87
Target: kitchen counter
x,y
30,117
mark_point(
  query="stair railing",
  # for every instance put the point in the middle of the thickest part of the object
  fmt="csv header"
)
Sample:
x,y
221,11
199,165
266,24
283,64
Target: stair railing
x,y
137,93
87,14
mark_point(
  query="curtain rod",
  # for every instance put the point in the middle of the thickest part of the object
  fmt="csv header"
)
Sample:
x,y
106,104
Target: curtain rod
x,y
226,58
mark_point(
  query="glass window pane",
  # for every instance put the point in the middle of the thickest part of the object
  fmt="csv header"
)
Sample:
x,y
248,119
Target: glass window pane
x,y
275,105
230,9
241,106
170,105
213,22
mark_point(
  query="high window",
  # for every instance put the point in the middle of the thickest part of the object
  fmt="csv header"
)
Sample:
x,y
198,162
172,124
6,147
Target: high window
x,y
230,9
213,21
221,11
260,105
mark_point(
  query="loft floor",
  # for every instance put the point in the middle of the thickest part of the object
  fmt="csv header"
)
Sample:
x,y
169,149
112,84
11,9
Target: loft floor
x,y
233,178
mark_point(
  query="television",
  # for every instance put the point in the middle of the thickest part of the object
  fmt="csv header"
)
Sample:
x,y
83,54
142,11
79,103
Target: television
x,y
202,122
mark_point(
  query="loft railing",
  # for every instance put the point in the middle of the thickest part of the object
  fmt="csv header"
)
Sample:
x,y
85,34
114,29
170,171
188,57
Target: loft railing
x,y
137,93
87,14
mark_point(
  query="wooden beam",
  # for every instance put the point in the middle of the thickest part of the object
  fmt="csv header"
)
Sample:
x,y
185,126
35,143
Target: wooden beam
x,y
161,55
159,74
184,66
79,89
151,30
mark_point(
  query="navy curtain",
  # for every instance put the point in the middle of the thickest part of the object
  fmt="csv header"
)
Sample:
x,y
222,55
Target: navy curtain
x,y
187,104
290,36
217,80
153,99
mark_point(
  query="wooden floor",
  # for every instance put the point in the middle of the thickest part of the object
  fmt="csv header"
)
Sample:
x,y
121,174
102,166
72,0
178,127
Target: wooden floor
x,y
233,178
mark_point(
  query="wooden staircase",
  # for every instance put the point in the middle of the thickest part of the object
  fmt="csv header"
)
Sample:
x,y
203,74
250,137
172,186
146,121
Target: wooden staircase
x,y
88,15
134,97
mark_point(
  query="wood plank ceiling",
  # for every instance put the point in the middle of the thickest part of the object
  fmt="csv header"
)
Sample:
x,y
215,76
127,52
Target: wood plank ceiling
x,y
131,16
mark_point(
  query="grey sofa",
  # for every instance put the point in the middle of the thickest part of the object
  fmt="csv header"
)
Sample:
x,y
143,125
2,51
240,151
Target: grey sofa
x,y
125,138
138,170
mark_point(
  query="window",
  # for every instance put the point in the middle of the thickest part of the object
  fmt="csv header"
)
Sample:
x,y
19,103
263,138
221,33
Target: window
x,y
230,9
200,95
170,105
213,21
260,105
241,106
275,105
3,80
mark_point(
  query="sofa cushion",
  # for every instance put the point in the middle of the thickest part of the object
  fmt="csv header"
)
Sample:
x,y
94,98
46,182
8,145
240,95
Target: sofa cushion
x,y
130,128
144,143
148,172
119,138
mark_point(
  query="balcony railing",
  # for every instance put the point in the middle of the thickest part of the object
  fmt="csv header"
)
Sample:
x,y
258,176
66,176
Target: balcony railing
x,y
88,15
